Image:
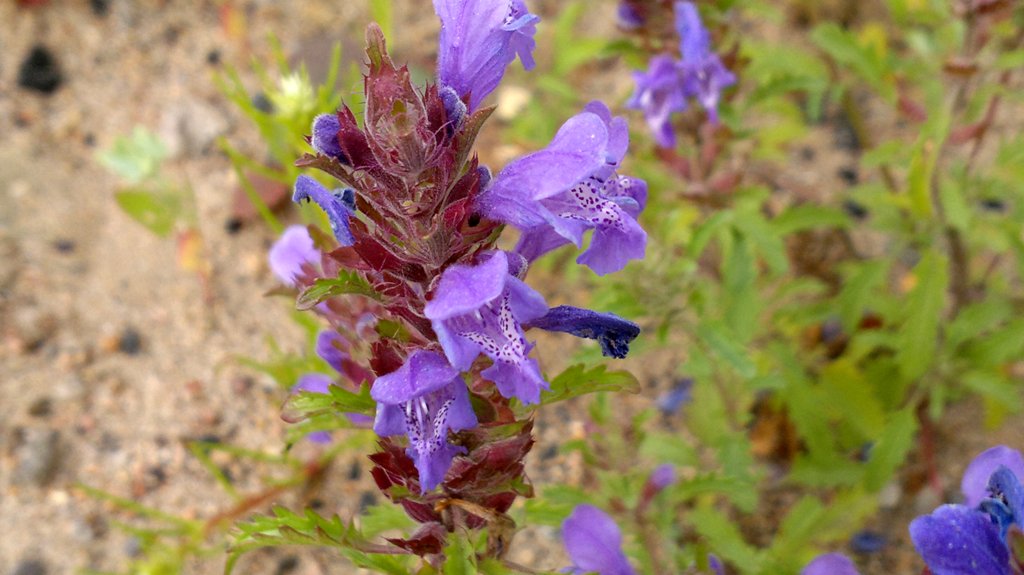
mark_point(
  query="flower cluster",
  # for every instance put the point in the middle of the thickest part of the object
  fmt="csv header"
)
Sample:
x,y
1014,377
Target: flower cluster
x,y
670,82
424,308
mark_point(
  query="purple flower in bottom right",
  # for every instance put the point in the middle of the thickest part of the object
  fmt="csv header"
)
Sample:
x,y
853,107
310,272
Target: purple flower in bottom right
x,y
977,539
594,543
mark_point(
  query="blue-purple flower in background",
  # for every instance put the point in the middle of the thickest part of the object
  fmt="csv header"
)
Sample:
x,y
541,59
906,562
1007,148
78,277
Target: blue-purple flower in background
x,y
594,543
480,309
291,252
423,400
831,564
555,195
479,39
977,539
664,89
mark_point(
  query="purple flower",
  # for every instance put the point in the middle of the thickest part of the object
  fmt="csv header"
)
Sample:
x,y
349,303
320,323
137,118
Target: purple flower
x,y
958,540
423,400
668,83
594,543
962,540
325,136
555,195
680,394
659,94
339,205
479,39
663,476
315,383
629,17
975,481
481,308
291,252
704,74
329,344
611,331
830,564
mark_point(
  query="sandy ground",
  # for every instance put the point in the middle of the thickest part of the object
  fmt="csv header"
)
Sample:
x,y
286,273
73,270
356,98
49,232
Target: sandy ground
x,y
110,357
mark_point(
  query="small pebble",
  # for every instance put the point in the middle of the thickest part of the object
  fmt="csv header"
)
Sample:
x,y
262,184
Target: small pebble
x,y
39,71
367,499
130,341
550,453
64,246
233,226
262,103
355,471
286,564
213,57
849,175
38,458
30,567
993,205
855,209
41,407
807,153
33,326
100,7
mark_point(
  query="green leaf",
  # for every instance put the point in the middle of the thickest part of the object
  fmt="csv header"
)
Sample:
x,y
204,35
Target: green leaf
x,y
578,380
854,398
725,539
716,336
891,449
158,211
858,292
808,216
307,404
459,556
924,307
135,158
844,48
384,517
347,282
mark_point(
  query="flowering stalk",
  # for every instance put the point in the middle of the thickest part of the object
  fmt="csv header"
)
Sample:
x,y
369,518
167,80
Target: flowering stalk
x,y
424,309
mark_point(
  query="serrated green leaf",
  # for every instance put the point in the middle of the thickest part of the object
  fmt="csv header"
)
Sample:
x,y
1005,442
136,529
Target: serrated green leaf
x,y
347,282
924,308
807,217
891,449
158,211
307,404
725,539
578,380
723,344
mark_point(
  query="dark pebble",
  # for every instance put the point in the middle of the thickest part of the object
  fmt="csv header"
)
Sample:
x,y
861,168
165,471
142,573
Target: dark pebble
x,y
209,438
366,500
867,542
849,175
158,474
550,453
855,209
993,205
845,136
233,226
41,407
40,72
213,57
316,503
30,567
89,140
38,458
287,564
130,341
64,246
263,103
100,7
355,471
807,153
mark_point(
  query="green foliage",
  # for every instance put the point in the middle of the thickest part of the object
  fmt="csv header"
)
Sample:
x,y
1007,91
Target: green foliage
x,y
578,380
347,282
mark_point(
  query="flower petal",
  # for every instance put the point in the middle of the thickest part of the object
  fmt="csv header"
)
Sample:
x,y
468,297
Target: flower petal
x,y
831,564
958,540
290,252
975,481
594,542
